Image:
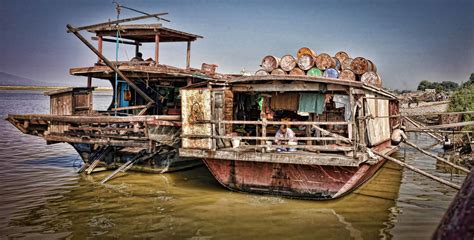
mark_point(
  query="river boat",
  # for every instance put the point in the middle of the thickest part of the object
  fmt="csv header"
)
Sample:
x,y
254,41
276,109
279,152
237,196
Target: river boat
x,y
231,125
141,127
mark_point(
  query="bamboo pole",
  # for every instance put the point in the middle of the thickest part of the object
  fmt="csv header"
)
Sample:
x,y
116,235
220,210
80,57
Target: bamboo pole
x,y
437,131
417,125
120,169
436,157
424,114
338,137
440,180
451,125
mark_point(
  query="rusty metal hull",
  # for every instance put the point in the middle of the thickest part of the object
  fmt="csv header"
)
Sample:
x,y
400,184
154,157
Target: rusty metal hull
x,y
314,182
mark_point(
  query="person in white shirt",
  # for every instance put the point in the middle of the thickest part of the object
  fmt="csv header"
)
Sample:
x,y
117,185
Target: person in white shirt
x,y
287,135
398,136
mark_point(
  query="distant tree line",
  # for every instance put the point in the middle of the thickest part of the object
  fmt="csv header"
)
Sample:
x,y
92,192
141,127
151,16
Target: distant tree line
x,y
439,86
463,99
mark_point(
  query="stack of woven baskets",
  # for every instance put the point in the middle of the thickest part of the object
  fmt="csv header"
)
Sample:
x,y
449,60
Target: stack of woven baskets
x,y
308,63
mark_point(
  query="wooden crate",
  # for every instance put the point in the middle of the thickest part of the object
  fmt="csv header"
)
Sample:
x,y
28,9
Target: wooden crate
x,y
69,101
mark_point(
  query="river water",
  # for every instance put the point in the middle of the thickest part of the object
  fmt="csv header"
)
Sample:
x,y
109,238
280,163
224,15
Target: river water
x,y
42,196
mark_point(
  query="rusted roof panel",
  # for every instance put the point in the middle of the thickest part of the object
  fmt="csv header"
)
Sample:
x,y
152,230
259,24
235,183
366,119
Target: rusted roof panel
x,y
145,33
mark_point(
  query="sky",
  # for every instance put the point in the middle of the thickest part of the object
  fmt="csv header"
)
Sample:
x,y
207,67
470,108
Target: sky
x,y
409,41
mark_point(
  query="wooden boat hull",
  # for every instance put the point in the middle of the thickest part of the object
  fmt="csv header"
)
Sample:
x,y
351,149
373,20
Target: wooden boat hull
x,y
161,162
314,182
167,161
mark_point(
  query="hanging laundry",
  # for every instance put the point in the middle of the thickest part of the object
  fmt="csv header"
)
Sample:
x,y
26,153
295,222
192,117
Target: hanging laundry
x,y
342,101
311,103
284,101
304,114
260,103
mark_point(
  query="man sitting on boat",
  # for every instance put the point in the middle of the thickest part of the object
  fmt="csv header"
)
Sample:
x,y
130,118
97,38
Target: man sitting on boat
x,y
288,135
398,136
137,58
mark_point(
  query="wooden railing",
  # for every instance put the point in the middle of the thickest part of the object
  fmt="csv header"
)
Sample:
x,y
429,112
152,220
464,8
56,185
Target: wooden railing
x,y
260,140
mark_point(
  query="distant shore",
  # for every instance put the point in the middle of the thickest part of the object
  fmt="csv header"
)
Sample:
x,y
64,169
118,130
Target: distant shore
x,y
46,88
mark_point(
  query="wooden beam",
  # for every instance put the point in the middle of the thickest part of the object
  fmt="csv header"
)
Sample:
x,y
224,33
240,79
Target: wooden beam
x,y
129,108
157,48
100,48
110,64
261,138
270,87
188,55
121,41
137,48
69,139
96,119
89,81
338,137
89,27
419,126
274,122
287,158
297,78
451,125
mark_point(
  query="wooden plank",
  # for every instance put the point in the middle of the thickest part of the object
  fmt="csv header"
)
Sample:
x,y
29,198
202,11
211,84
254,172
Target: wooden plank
x,y
69,89
338,137
270,87
110,23
92,166
143,111
276,122
121,41
120,169
307,147
101,141
296,78
128,108
96,119
103,129
299,158
451,125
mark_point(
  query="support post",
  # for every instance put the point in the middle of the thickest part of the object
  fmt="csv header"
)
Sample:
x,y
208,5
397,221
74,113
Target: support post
x,y
89,81
188,55
351,127
157,48
100,43
137,48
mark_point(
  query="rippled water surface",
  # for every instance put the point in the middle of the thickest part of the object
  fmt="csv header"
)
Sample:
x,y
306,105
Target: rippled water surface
x,y
43,197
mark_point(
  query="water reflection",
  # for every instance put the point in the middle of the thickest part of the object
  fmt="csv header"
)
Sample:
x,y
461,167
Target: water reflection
x,y
191,204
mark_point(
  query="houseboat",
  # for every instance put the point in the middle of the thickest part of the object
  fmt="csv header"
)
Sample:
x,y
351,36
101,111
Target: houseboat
x,y
232,124
141,127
